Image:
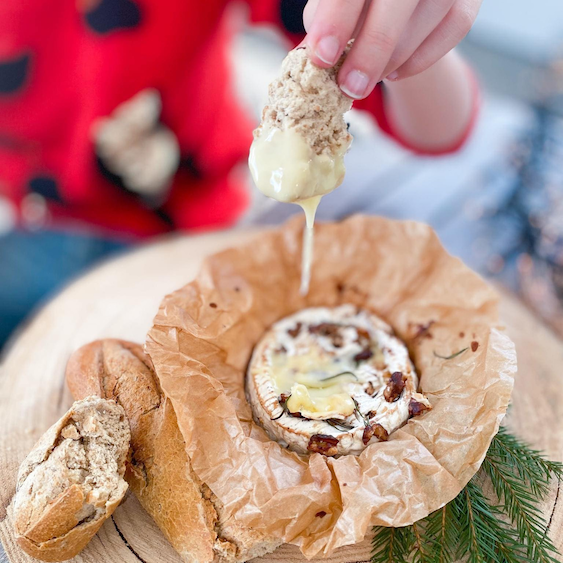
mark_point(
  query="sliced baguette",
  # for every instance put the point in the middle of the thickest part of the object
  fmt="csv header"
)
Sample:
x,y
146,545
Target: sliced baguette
x,y
72,480
160,474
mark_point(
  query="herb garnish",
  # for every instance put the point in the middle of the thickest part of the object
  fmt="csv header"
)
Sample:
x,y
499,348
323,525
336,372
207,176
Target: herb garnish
x,y
339,374
474,528
282,399
362,418
338,424
452,356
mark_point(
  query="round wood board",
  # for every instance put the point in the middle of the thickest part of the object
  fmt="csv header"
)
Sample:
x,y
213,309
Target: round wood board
x,y
119,299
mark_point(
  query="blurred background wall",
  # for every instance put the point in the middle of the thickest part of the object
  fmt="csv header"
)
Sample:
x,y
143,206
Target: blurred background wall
x,y
498,204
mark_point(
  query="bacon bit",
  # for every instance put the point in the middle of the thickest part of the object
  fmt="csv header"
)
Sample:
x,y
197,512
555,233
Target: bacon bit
x,y
323,444
474,346
462,334
324,329
371,414
395,387
213,305
293,332
365,354
416,408
422,330
370,389
281,350
320,514
328,330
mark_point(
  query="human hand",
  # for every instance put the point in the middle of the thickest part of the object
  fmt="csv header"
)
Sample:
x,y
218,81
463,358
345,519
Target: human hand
x,y
394,39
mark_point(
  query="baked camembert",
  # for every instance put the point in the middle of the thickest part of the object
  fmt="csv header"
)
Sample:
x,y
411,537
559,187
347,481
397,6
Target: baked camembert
x,y
332,381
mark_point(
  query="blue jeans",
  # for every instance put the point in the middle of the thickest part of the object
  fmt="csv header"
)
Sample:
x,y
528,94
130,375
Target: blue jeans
x,y
35,265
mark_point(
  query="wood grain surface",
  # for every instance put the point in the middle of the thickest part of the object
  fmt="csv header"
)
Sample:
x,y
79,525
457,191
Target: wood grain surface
x,y
119,299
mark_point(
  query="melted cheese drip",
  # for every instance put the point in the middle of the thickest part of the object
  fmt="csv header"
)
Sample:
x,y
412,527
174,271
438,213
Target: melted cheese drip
x,y
309,206
286,168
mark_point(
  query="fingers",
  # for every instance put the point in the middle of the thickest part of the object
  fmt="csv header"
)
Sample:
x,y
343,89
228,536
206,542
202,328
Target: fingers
x,y
453,28
309,13
425,19
372,49
330,27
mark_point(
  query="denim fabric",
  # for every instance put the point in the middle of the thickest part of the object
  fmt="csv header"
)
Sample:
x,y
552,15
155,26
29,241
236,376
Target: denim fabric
x,y
35,265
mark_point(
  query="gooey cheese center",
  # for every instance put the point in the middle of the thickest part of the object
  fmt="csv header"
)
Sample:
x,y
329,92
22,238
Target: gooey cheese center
x,y
319,387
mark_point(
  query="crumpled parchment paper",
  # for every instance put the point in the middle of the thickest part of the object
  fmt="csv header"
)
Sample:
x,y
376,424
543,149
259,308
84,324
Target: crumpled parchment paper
x,y
202,340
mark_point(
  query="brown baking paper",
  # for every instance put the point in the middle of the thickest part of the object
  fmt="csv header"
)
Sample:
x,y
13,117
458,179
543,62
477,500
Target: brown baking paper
x,y
203,337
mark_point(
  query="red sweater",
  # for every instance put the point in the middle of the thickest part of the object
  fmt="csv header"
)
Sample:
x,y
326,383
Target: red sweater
x,y
65,64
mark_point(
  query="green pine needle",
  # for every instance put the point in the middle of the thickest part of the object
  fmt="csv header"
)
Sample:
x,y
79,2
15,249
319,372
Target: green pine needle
x,y
392,545
529,464
520,479
483,537
474,529
442,534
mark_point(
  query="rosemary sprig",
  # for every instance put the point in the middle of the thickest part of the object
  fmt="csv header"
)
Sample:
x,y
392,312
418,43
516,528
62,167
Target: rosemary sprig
x,y
452,356
473,528
340,374
340,425
358,413
283,403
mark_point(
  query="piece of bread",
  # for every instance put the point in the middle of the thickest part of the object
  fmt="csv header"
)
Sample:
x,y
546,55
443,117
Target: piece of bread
x,y
160,473
308,99
72,480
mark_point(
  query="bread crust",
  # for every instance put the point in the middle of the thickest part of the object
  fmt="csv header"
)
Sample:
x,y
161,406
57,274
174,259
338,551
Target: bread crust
x,y
57,510
160,473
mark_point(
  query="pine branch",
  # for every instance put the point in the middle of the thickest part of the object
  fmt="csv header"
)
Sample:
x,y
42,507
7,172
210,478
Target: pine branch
x,y
484,537
530,465
442,533
422,548
520,485
392,545
471,527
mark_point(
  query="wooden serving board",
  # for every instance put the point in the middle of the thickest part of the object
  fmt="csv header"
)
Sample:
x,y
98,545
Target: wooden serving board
x,y
119,299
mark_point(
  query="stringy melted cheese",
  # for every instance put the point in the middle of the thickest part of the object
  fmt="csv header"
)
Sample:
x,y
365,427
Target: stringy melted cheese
x,y
286,168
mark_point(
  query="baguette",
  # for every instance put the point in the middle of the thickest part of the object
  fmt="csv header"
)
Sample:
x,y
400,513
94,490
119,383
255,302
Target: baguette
x,y
72,480
160,473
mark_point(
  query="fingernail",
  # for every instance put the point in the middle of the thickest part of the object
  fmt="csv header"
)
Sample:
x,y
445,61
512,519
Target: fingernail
x,y
328,50
355,84
393,76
